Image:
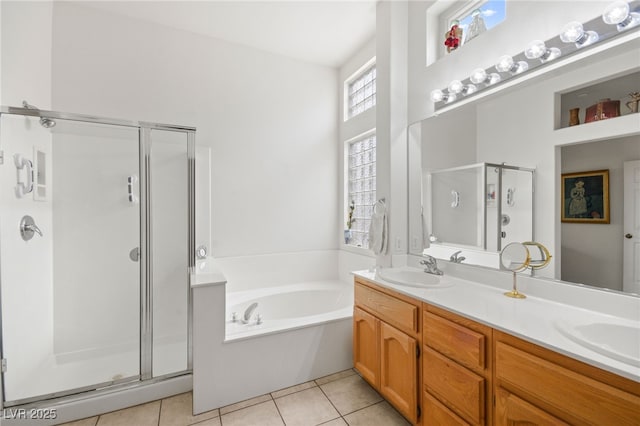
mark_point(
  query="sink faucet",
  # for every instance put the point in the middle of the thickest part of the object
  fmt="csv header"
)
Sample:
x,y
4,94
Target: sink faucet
x,y
431,265
455,258
246,317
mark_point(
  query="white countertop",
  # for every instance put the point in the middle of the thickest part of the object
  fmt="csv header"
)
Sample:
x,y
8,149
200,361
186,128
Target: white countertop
x,y
207,273
531,319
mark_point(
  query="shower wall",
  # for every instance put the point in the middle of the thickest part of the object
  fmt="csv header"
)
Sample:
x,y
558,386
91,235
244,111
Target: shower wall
x,y
19,136
22,29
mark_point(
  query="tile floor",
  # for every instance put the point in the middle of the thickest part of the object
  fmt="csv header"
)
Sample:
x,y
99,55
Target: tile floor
x,y
343,398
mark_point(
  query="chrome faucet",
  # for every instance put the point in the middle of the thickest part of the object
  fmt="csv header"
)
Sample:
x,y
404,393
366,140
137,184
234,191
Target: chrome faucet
x,y
246,317
455,258
431,265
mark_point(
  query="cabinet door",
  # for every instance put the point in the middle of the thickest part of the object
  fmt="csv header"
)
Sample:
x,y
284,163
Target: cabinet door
x,y
398,370
366,357
511,410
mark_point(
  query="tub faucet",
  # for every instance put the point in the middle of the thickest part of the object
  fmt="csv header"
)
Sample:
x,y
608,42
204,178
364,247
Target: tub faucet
x,y
455,258
431,265
248,312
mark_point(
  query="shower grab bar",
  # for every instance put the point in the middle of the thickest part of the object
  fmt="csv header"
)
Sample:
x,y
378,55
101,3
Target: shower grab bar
x,y
23,188
131,180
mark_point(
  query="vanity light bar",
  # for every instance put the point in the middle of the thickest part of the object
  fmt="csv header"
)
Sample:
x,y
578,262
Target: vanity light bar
x,y
572,38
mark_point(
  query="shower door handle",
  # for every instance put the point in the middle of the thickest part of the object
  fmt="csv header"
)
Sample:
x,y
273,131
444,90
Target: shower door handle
x,y
134,254
131,181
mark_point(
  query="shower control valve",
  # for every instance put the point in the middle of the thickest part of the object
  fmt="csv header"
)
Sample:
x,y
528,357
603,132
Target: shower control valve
x,y
258,319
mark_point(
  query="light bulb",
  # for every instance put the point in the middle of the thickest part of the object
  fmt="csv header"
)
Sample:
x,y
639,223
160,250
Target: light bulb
x,y
618,13
437,95
455,86
469,89
538,50
480,76
574,32
494,78
506,64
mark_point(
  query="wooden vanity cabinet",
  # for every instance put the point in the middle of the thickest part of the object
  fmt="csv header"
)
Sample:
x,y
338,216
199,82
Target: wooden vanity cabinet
x,y
467,373
535,385
456,369
386,342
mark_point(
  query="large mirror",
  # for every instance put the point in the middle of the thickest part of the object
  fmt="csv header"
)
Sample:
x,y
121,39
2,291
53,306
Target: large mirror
x,y
525,126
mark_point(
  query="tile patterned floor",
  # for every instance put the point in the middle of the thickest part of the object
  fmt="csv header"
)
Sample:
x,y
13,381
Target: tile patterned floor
x,y
340,399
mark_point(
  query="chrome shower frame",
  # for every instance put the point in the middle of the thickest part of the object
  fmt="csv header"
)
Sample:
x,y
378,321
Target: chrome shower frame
x,y
146,265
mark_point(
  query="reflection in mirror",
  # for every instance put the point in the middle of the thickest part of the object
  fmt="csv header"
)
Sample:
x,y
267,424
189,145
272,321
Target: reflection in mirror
x,y
527,125
595,253
483,206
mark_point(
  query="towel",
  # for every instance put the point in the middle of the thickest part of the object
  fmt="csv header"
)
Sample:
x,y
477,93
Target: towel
x,y
378,229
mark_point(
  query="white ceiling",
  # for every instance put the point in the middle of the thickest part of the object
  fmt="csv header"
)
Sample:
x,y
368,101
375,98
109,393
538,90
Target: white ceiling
x,y
325,32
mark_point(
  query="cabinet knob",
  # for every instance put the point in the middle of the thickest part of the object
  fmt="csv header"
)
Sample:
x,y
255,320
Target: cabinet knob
x,y
628,236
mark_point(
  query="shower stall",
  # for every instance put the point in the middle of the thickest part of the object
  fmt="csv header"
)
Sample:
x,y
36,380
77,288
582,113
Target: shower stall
x,y
97,226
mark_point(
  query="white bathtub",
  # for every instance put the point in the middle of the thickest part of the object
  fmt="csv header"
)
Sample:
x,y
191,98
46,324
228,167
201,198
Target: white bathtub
x,y
288,307
306,329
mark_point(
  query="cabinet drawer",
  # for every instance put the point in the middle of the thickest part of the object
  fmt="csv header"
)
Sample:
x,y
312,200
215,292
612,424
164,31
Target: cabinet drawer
x,y
458,388
569,395
399,313
454,340
511,410
436,414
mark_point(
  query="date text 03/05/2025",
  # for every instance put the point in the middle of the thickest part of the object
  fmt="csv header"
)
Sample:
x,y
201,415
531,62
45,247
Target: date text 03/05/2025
x,y
29,413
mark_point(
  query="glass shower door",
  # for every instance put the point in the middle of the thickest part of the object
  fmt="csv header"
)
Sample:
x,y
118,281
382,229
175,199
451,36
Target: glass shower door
x,y
70,275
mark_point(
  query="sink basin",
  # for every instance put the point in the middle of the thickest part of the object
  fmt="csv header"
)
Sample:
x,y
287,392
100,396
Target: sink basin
x,y
617,341
410,277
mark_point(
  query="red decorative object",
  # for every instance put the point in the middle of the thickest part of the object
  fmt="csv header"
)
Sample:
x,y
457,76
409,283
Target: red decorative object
x,y
605,108
453,37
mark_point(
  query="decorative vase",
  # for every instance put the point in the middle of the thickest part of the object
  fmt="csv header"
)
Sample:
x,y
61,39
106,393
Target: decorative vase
x,y
347,236
574,118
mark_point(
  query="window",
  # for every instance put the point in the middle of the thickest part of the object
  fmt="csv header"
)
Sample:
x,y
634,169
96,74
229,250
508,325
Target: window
x,y
474,18
360,90
361,194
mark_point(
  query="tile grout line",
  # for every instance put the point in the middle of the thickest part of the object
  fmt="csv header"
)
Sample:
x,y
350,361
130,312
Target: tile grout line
x,y
331,402
278,409
160,411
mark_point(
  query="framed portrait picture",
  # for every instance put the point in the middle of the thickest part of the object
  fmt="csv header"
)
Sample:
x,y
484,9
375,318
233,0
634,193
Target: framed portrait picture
x,y
585,197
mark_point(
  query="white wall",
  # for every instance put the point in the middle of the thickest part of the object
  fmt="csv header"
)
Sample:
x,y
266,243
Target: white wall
x,y
269,120
592,254
391,121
